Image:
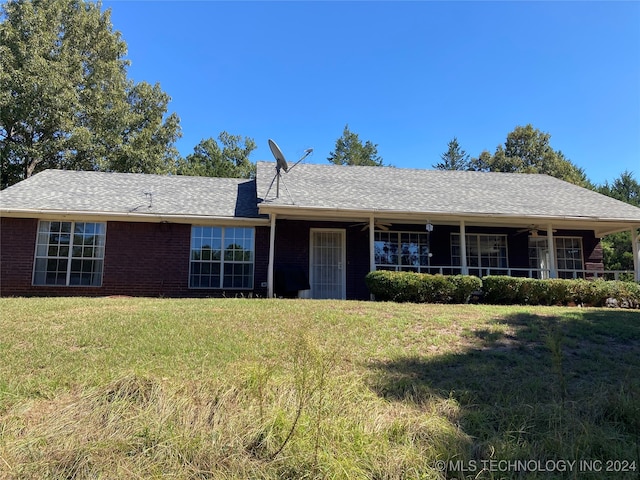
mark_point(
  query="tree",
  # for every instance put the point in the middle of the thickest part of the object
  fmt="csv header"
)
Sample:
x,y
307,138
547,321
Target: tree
x,y
351,151
618,254
454,158
624,188
65,100
210,160
527,150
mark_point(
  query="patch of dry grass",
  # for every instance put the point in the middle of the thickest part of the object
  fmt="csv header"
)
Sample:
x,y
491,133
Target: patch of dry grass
x,y
235,388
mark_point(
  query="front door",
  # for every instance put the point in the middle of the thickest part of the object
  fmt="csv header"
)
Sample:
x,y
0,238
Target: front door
x,y
327,264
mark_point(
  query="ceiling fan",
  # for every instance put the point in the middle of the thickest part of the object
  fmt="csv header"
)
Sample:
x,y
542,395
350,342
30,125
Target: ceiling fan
x,y
532,229
376,225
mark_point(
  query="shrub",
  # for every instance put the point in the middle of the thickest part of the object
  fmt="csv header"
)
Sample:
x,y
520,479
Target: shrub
x,y
557,291
434,289
586,292
420,287
393,286
464,286
533,292
596,292
501,290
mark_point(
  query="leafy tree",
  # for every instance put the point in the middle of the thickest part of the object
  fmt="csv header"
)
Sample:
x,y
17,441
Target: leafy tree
x,y
527,150
454,158
624,188
229,159
65,100
617,247
351,151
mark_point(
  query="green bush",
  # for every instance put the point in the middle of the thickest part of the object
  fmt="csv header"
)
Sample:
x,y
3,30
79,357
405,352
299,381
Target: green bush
x,y
533,292
464,286
556,291
393,286
595,293
587,292
501,290
420,287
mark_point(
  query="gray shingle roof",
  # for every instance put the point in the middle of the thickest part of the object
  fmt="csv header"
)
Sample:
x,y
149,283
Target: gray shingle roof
x,y
381,189
362,189
127,193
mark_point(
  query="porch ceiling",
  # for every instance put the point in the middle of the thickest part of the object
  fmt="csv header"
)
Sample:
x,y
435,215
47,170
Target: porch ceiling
x,y
601,227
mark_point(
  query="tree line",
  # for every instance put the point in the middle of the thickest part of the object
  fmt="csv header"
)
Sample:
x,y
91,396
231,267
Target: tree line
x,y
527,150
66,102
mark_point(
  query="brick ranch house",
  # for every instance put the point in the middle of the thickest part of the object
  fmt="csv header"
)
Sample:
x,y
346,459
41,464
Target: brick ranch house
x,y
316,232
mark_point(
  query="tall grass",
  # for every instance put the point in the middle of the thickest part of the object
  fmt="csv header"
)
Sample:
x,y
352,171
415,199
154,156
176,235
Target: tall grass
x,y
234,388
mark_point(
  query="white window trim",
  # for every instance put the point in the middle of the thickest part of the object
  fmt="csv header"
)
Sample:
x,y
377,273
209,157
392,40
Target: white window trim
x,y
70,257
223,261
581,246
478,235
398,267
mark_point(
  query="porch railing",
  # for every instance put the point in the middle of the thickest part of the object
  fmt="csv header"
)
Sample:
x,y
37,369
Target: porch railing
x,y
515,272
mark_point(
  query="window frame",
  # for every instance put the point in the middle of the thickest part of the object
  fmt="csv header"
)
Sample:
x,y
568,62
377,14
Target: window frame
x,y
420,250
560,245
479,260
569,258
98,232
222,259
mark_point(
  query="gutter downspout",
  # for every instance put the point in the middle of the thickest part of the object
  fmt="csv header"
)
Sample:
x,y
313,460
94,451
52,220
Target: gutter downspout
x,y
272,246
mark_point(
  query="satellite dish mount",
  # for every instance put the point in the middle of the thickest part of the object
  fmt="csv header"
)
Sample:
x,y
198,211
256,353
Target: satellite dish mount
x,y
281,164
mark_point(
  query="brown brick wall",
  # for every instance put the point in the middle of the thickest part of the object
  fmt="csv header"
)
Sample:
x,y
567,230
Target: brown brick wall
x,y
261,265
17,249
152,259
141,259
148,259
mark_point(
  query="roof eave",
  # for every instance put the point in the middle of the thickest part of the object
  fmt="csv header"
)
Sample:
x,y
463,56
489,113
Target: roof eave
x,y
604,225
129,216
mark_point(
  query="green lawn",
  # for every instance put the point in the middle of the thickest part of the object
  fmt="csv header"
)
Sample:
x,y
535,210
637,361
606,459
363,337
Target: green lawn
x,y
116,388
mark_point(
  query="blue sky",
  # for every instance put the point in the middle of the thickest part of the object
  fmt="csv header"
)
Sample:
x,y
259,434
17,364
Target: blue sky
x,y
409,76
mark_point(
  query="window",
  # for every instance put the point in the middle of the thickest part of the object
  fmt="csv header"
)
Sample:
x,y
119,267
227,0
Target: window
x,y
69,253
221,257
484,252
401,250
568,255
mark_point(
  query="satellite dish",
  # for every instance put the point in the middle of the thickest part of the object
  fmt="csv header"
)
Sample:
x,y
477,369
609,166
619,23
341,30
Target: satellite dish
x,y
281,163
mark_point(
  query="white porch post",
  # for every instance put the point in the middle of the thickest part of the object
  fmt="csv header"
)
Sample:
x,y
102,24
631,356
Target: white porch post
x,y
463,248
372,246
635,248
272,254
553,273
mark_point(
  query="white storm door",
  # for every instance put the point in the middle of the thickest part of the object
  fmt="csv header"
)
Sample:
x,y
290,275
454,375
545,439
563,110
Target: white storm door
x,y
327,264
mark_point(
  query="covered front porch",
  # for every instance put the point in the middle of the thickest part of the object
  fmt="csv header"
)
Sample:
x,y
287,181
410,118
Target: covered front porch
x,y
335,252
